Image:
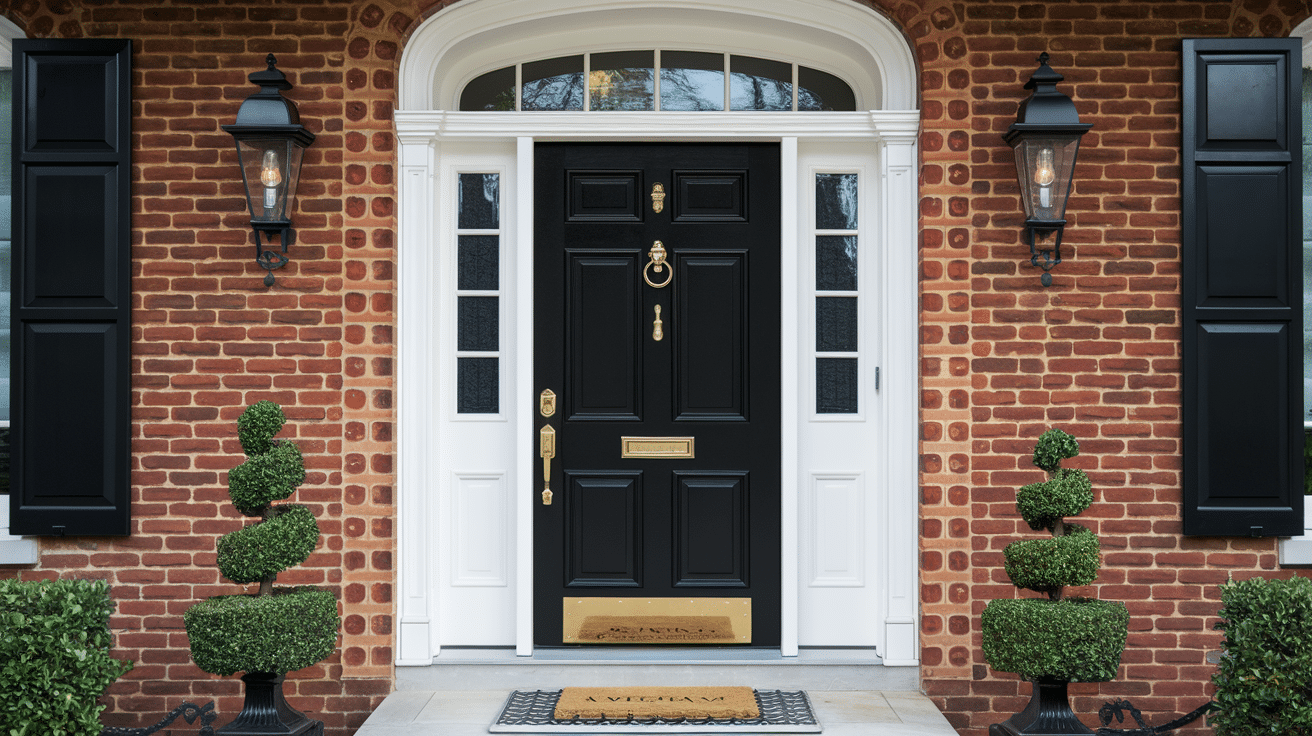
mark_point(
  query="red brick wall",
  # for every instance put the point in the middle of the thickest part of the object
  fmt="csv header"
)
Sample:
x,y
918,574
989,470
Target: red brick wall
x,y
1002,357
209,338
1097,353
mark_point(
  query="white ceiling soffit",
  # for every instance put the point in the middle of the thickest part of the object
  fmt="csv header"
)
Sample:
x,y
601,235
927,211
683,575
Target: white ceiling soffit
x,y
471,37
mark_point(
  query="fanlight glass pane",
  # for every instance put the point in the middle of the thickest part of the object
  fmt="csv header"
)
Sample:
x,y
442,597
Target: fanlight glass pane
x,y
553,84
493,91
817,90
760,84
623,80
835,202
692,80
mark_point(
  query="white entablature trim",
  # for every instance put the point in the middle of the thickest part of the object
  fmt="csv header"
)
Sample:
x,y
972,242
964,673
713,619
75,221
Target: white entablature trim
x,y
841,37
740,126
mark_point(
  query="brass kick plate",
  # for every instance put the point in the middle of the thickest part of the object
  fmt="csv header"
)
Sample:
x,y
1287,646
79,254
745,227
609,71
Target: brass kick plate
x,y
656,447
657,620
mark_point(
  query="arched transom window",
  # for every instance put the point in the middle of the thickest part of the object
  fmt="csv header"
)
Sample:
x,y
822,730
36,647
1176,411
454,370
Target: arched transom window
x,y
657,80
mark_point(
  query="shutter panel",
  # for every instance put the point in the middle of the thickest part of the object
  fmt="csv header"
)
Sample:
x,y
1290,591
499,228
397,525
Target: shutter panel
x,y
1243,296
71,287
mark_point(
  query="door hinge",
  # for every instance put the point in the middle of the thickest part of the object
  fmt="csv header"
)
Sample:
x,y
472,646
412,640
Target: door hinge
x,y
876,378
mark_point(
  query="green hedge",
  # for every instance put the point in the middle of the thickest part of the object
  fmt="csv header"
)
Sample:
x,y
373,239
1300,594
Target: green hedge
x,y
1044,565
1073,639
1068,493
266,548
54,657
1264,680
291,629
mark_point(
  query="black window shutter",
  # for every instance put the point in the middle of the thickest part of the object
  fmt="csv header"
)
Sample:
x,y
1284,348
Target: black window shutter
x,y
71,284
1243,294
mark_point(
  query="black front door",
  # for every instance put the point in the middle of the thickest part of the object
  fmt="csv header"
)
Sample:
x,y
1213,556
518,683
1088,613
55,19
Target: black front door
x,y
663,516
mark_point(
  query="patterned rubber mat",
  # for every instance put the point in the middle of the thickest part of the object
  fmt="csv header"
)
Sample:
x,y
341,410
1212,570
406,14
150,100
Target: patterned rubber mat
x,y
533,711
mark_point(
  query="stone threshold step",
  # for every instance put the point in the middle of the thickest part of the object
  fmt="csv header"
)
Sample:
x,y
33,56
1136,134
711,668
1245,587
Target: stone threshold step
x,y
470,712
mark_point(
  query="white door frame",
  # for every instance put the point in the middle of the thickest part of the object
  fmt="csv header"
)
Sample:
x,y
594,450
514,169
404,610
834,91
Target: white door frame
x,y
425,131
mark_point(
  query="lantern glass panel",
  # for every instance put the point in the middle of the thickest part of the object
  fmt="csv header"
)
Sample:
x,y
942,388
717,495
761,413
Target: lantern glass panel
x,y
270,168
1044,165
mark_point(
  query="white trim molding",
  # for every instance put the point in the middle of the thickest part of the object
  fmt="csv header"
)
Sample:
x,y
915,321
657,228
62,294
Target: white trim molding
x,y
435,142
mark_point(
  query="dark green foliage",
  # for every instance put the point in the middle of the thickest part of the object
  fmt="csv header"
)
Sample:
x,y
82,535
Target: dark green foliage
x,y
257,425
1068,493
1053,447
264,549
1264,680
1045,565
288,630
266,478
1073,639
54,657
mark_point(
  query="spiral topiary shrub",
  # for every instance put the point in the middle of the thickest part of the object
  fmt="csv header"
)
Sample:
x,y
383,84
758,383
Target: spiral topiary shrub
x,y
1053,641
274,631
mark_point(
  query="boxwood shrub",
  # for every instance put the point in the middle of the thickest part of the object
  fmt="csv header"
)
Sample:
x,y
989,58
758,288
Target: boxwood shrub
x,y
266,478
279,633
255,552
1048,564
1264,680
1068,493
1053,447
54,656
257,425
1073,639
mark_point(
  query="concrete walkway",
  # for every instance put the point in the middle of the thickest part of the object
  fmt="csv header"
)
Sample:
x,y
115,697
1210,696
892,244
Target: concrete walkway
x,y
470,712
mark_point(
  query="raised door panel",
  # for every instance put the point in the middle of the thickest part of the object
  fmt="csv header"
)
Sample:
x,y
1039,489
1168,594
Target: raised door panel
x,y
710,196
710,530
711,333
603,530
604,196
604,372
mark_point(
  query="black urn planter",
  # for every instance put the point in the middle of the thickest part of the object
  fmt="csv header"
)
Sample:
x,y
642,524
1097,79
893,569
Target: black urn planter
x,y
267,713
1048,714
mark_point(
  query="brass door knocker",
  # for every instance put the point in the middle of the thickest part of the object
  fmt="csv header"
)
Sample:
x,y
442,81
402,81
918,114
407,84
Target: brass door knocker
x,y
657,264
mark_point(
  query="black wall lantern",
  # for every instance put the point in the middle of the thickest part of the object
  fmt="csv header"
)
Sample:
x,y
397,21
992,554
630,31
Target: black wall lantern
x,y
270,144
1046,139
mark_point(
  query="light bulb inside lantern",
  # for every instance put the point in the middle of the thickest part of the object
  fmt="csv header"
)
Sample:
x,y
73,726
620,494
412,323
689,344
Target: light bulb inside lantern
x,y
270,177
1044,176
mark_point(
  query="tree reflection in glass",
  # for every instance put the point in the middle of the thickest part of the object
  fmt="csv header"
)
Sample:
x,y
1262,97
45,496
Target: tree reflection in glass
x,y
760,84
553,84
692,80
624,80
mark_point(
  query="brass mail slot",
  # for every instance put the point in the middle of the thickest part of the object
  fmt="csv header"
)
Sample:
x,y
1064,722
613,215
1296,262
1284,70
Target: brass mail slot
x,y
656,447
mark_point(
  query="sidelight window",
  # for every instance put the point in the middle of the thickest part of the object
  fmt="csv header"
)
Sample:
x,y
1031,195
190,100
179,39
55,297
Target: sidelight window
x,y
478,293
649,80
837,243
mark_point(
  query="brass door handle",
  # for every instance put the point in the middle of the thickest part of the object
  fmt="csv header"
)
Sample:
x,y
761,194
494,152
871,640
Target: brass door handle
x,y
657,327
657,264
547,449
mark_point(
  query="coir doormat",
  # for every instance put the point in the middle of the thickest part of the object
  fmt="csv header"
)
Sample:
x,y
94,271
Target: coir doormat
x,y
534,711
645,703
